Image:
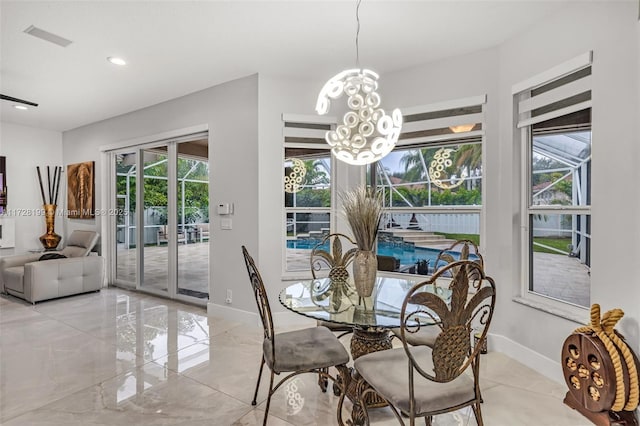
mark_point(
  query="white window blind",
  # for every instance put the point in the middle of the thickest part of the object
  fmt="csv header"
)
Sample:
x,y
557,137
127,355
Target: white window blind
x,y
306,130
437,122
560,91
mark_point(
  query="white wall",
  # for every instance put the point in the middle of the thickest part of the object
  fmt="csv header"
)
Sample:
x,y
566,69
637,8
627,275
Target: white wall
x,y
230,111
609,29
26,148
276,96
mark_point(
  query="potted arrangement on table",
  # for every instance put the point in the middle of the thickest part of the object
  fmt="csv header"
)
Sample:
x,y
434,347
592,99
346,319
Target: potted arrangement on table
x,y
363,209
423,266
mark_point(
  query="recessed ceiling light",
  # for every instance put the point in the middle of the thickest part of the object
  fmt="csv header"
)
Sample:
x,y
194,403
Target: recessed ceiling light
x,y
20,107
116,61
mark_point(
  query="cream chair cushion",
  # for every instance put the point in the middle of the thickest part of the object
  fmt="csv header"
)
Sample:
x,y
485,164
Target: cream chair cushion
x,y
386,371
306,349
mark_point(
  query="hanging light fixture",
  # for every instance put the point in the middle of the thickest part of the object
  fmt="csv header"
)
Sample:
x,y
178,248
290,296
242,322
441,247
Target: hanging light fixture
x,y
367,133
462,128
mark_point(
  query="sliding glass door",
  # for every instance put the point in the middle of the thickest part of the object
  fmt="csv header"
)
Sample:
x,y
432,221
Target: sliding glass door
x,y
192,183
164,187
156,231
125,219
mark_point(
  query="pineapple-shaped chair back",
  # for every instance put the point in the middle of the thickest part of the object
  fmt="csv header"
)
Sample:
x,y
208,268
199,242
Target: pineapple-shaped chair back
x,y
468,311
467,249
335,260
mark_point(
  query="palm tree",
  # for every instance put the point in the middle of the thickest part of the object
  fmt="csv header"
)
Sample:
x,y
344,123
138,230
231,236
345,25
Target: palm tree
x,y
469,155
316,172
416,163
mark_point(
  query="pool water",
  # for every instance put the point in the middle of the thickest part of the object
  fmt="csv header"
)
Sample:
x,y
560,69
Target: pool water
x,y
408,255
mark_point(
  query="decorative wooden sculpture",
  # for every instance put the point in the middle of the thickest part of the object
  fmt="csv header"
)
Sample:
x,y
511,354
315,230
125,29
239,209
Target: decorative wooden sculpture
x,y
601,372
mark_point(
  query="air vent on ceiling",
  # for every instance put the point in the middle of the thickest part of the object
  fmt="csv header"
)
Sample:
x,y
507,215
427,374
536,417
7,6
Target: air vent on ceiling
x,y
47,36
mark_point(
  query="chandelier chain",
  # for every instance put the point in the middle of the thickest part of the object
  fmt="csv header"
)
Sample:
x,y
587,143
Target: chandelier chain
x,y
358,34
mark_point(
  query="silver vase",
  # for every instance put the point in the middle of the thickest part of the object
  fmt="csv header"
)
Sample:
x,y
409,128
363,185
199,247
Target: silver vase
x,y
365,267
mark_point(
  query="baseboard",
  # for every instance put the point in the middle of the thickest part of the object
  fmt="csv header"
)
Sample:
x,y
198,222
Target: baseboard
x,y
532,359
232,314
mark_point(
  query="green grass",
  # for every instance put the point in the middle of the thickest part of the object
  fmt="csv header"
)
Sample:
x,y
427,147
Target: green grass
x,y
473,237
558,243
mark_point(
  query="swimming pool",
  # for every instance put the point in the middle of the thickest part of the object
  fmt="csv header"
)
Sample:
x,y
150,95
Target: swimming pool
x,y
406,253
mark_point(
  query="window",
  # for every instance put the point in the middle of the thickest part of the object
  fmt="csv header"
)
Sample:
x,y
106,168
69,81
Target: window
x,y
431,185
307,188
554,128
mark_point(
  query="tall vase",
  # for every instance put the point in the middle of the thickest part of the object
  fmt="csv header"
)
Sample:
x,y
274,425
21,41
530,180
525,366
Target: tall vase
x,y
50,240
365,267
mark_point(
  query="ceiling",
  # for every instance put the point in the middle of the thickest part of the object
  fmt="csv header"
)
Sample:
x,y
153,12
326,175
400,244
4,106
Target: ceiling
x,y
178,47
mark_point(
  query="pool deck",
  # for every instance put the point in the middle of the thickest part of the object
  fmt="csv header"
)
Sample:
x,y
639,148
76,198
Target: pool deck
x,y
557,276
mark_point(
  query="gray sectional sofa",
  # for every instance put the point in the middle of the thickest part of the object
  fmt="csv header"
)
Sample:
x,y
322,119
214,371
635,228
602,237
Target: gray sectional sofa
x,y
28,278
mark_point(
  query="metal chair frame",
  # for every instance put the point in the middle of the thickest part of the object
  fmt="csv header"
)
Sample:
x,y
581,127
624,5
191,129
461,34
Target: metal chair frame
x,y
334,259
337,260
464,253
448,362
264,310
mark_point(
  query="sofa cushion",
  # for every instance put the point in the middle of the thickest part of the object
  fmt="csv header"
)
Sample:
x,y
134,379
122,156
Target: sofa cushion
x,y
13,278
73,251
80,243
62,277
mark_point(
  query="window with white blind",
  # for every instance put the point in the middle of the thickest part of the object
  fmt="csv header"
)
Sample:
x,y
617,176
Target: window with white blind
x,y
553,126
307,187
431,184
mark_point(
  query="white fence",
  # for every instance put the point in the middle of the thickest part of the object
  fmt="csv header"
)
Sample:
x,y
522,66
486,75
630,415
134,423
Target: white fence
x,y
551,226
449,223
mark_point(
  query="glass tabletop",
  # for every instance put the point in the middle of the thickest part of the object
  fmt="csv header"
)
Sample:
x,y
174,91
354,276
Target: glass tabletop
x,y
337,301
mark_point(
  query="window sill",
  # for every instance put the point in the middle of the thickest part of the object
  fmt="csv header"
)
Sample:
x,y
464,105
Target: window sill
x,y
577,315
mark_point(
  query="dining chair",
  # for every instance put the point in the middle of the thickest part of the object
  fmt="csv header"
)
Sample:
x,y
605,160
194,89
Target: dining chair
x,y
310,350
427,335
422,381
335,263
464,247
163,235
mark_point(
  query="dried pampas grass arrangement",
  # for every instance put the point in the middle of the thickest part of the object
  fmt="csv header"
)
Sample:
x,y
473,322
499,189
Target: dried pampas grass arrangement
x,y
363,209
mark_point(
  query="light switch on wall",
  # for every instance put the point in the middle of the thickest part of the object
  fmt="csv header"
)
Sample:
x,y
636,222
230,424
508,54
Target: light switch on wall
x,y
225,224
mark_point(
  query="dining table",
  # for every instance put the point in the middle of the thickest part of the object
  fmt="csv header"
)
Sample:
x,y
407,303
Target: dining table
x,y
372,317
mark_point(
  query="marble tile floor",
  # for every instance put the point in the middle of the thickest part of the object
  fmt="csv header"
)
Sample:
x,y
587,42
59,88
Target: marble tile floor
x,y
118,357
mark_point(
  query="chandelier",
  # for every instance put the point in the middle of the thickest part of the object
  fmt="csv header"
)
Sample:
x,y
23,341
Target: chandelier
x,y
367,133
